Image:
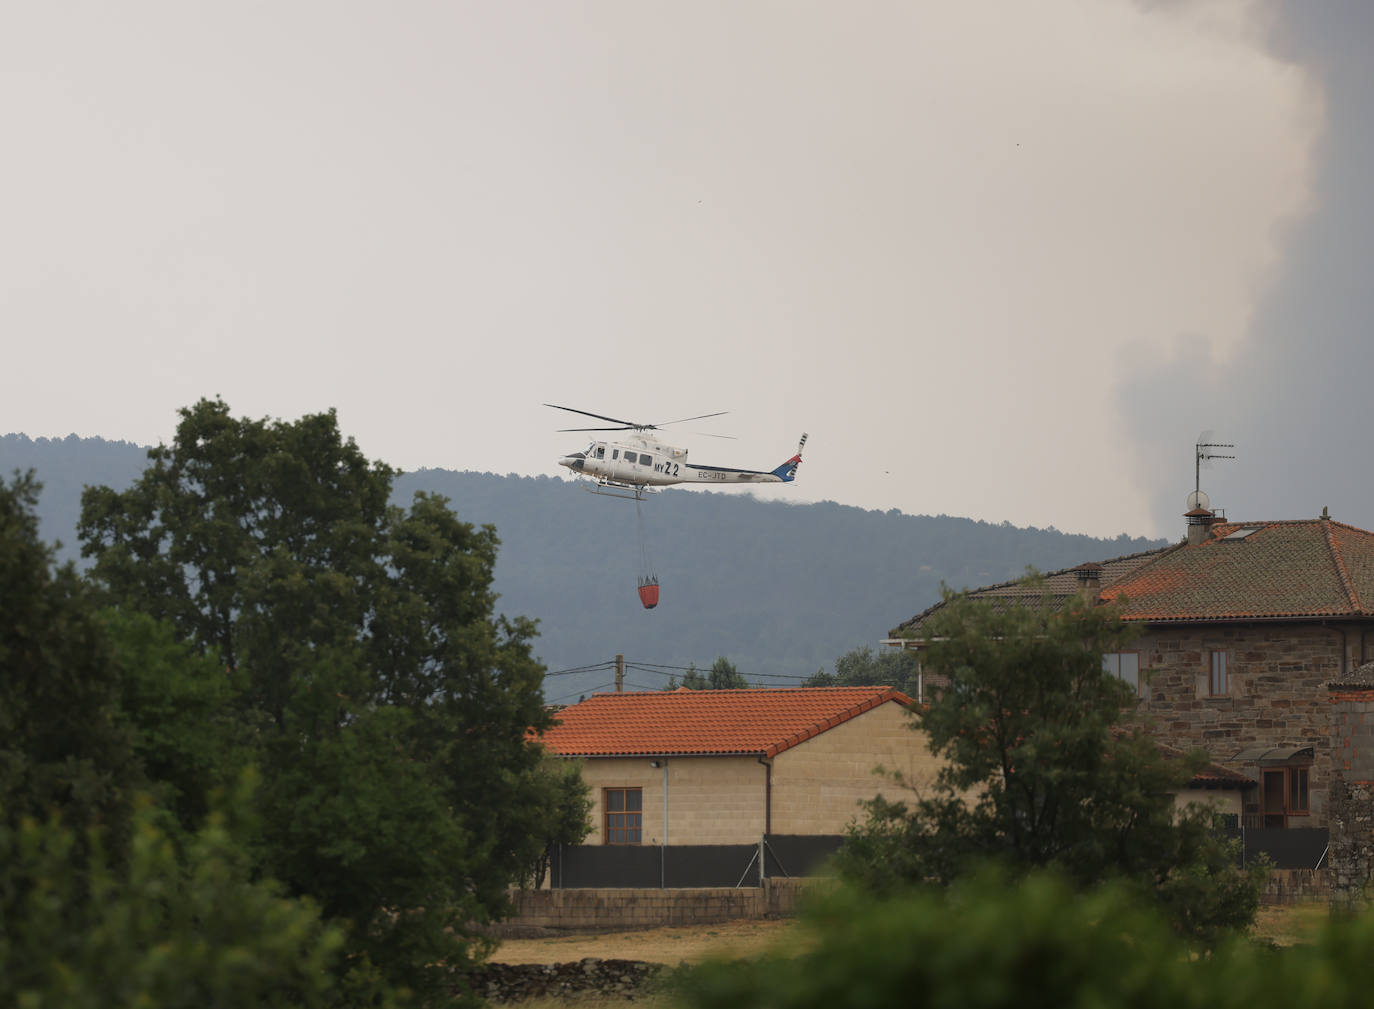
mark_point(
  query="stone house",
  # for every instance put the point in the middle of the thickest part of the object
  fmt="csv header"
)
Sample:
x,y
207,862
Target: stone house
x,y
723,767
1242,626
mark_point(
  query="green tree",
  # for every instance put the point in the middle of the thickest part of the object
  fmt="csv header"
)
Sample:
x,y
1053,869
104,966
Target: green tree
x,y
387,706
862,667
62,744
188,736
570,797
1041,772
721,676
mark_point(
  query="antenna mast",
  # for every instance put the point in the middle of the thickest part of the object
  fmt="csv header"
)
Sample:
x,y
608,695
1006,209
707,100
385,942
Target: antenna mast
x,y
1203,453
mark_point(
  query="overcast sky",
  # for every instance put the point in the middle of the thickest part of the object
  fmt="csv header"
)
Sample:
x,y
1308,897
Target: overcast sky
x,y
1001,260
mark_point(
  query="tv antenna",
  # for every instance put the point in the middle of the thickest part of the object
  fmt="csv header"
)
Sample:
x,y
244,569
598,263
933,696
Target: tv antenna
x,y
1204,453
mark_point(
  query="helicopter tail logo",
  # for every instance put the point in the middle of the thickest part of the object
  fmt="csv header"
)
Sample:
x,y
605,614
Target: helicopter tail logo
x,y
787,472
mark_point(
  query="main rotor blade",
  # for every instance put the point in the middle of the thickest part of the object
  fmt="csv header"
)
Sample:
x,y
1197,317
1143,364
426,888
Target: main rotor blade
x,y
562,430
684,420
586,413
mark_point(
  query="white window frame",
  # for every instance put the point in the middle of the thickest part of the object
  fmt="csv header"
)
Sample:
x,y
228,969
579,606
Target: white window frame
x,y
1111,663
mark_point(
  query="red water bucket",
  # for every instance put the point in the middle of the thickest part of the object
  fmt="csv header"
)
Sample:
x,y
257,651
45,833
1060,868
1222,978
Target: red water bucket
x,y
648,592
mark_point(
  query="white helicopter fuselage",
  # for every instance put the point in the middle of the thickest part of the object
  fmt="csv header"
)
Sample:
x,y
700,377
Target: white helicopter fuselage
x,y
638,461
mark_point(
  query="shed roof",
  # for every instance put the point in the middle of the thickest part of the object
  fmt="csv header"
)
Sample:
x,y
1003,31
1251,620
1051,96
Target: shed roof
x,y
708,722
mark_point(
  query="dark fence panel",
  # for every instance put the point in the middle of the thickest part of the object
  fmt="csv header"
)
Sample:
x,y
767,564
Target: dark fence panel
x,y
631,865
711,865
595,865
800,854
1287,847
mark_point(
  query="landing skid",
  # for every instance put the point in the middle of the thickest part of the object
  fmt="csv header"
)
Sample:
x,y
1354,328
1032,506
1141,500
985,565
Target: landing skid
x,y
609,488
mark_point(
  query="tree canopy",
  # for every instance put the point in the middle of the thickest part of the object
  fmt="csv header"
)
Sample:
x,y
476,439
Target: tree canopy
x,y
63,745
721,676
862,667
1043,771
387,705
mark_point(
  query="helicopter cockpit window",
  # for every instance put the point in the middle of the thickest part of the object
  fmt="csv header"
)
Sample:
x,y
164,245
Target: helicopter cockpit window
x,y
600,452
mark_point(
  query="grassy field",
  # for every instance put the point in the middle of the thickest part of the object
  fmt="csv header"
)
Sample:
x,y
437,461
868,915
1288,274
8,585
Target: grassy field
x,y
1289,924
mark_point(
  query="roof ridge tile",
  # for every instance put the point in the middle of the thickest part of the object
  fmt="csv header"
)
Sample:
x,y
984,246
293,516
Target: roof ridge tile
x,y
1338,559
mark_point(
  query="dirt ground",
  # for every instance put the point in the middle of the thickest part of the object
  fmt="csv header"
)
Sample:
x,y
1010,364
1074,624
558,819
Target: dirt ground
x,y
736,939
670,945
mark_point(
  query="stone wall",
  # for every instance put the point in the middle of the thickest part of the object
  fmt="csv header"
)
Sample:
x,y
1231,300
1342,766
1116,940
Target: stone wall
x,y
1277,691
541,912
599,980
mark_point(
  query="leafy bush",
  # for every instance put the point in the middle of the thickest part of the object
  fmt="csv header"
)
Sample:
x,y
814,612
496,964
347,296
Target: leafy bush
x,y
157,932
989,943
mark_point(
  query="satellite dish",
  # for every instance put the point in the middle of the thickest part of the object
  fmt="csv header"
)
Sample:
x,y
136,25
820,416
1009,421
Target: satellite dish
x,y
1199,499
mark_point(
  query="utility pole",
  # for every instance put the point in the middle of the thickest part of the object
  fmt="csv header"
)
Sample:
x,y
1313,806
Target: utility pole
x,y
619,674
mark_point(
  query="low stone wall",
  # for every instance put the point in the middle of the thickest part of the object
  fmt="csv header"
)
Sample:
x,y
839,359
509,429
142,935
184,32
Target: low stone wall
x,y
1297,886
1352,843
599,979
542,912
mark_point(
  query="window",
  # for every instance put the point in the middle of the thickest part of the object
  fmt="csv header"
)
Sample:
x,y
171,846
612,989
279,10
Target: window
x,y
1297,790
624,817
615,453
601,451
1125,666
1219,686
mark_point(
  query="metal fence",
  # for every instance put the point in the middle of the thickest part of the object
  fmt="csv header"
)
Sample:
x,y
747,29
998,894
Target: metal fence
x,y
1287,847
690,865
789,855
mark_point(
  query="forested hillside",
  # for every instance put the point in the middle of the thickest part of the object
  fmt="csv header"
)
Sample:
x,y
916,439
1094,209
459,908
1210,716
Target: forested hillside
x,y
780,589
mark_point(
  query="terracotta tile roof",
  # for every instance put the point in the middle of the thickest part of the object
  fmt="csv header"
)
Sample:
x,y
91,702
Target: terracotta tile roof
x,y
1210,775
1242,571
683,722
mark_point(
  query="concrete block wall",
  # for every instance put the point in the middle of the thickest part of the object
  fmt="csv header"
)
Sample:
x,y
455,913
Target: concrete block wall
x,y
711,800
1222,801
608,910
1297,886
818,785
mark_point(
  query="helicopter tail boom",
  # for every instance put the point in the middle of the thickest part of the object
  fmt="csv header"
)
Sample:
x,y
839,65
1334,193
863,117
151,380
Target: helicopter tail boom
x,y
787,472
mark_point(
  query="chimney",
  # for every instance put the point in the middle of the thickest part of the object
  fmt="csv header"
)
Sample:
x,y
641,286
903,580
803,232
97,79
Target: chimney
x,y
1089,579
1199,524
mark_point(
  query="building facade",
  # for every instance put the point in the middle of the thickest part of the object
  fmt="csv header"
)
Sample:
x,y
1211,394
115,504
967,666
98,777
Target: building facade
x,y
1241,627
703,767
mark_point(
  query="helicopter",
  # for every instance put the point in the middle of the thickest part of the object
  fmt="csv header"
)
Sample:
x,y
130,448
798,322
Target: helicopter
x,y
639,462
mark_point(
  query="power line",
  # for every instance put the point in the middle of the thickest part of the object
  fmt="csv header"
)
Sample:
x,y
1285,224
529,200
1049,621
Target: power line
x,y
575,693
582,669
663,670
